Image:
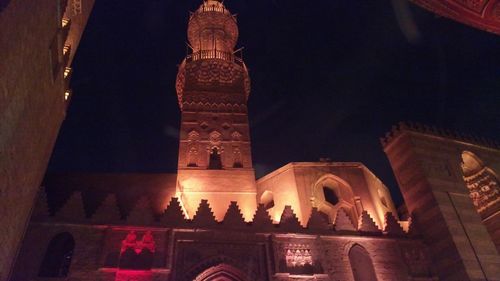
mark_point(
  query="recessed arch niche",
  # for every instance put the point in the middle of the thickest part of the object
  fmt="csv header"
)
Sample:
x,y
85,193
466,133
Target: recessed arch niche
x,y
361,264
481,181
331,193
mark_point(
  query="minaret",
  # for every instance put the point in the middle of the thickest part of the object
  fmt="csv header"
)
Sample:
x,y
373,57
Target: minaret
x,y
213,85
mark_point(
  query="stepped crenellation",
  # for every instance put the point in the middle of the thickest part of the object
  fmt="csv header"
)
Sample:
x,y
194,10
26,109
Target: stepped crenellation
x,y
173,216
416,127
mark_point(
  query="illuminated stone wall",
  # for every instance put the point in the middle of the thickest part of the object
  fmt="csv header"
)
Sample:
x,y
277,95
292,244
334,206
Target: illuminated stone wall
x,y
301,185
33,100
213,85
171,247
427,164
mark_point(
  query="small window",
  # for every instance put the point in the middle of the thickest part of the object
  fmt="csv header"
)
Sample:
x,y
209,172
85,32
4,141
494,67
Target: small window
x,y
330,195
57,259
215,162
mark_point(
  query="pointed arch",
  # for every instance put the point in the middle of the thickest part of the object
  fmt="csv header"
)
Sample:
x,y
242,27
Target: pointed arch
x,y
481,181
361,264
58,256
220,268
332,193
215,161
221,272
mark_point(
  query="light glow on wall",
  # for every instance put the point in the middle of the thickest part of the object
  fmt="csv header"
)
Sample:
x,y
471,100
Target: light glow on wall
x,y
67,71
64,22
67,93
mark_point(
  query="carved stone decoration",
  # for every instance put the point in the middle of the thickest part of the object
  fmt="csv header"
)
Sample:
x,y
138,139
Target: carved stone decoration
x,y
195,258
148,242
192,159
480,14
484,189
221,272
237,162
236,136
215,138
193,136
298,259
76,7
137,254
130,242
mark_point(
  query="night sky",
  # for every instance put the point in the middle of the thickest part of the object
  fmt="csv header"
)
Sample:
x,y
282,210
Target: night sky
x,y
328,79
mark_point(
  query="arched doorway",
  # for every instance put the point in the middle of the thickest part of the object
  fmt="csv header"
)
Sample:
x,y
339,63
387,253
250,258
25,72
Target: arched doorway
x,y
221,272
58,255
361,264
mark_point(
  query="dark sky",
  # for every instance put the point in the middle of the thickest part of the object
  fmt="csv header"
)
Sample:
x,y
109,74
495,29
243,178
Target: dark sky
x,y
328,79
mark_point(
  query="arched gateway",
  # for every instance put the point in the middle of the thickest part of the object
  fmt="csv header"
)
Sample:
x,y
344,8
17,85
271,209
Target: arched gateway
x,y
221,272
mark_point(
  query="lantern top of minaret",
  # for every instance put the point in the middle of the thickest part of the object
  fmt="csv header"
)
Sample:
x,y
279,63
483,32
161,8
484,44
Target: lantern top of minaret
x,y
213,6
212,64
211,27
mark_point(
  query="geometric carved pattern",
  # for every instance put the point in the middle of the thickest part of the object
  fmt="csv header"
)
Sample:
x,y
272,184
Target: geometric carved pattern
x,y
76,7
130,242
298,255
484,189
477,13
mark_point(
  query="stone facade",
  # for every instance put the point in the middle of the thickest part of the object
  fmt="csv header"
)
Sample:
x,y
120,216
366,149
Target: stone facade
x,y
431,167
483,14
36,50
185,249
304,221
213,85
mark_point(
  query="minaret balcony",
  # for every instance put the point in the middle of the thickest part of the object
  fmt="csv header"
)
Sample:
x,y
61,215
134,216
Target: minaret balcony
x,y
212,6
215,54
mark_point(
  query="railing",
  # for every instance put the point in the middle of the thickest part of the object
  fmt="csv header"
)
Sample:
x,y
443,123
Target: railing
x,y
214,54
212,8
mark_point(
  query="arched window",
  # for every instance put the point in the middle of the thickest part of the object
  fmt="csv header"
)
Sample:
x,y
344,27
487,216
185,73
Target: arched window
x,y
57,259
215,162
361,264
330,195
483,184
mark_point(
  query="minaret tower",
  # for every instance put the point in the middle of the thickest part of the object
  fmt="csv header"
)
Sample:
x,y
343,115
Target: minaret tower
x,y
213,85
